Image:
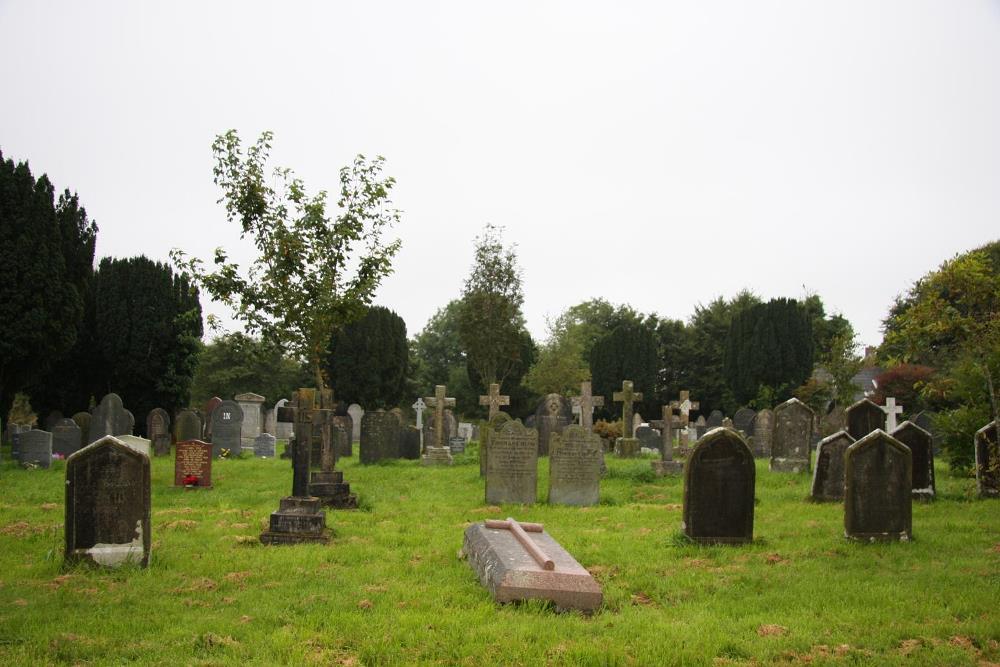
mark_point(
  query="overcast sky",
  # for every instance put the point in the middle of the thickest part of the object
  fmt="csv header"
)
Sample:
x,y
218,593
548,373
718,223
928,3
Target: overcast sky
x,y
660,154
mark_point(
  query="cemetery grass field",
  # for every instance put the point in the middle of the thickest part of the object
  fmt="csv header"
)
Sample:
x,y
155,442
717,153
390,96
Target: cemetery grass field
x,y
390,589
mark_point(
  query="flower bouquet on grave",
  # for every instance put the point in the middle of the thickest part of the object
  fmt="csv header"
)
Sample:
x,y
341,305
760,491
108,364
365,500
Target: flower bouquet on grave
x,y
190,481
224,453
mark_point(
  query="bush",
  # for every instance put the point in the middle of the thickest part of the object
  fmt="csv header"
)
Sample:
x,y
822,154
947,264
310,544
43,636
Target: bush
x,y
905,383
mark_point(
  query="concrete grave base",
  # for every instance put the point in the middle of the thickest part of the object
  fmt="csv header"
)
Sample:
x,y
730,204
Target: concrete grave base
x,y
297,520
510,573
331,490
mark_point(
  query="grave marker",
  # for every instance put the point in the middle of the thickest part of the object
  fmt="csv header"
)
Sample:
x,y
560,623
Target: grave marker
x,y
921,445
626,447
82,419
439,453
494,400
252,406
187,426
878,502
193,464
987,461
793,426
418,407
575,458
512,465
35,448
356,412
891,411
110,418
719,485
828,477
65,437
864,417
487,433
763,433
584,405
264,446
158,431
668,425
379,437
553,413
227,429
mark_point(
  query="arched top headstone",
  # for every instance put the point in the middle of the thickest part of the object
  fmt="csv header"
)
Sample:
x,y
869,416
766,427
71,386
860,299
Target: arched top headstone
x,y
110,418
828,477
921,445
719,484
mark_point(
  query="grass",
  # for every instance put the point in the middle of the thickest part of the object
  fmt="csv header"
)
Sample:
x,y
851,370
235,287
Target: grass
x,y
389,588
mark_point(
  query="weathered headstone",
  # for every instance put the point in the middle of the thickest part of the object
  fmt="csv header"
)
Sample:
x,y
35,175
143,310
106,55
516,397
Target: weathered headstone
x,y
35,448
553,413
344,427
715,419
65,437
437,452
82,419
252,406
283,430
700,427
456,445
409,443
494,400
648,438
719,483
264,446
864,417
512,465
987,461
227,429
158,431
379,437
137,443
193,464
465,431
356,412
925,420
834,421
575,458
584,405
828,477
108,505
520,561
486,434
209,409
187,426
793,426
921,446
763,433
743,421
878,503
110,418
626,447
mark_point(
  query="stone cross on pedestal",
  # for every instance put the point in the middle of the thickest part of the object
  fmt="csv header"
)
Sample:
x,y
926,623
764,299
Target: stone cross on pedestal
x,y
891,410
627,397
670,421
440,453
684,406
584,405
419,406
494,400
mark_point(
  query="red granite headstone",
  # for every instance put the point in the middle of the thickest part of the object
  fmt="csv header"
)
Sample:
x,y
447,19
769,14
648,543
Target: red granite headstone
x,y
193,464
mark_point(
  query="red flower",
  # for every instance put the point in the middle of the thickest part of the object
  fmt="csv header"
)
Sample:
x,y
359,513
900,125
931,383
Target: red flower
x,y
191,480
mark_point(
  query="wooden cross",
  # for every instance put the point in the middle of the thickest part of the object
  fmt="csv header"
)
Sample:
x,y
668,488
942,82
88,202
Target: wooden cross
x,y
494,400
684,406
627,397
891,410
439,402
584,405
419,406
520,531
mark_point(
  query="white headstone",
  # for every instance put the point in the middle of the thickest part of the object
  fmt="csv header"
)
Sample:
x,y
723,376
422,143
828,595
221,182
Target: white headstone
x,y
419,406
253,418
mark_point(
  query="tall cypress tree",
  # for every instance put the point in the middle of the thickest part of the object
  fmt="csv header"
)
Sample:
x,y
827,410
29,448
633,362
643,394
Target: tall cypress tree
x,y
629,352
369,360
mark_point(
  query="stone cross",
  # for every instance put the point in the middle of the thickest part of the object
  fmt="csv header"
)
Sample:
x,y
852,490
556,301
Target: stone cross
x,y
520,531
494,400
891,410
439,402
684,406
627,397
419,406
584,405
667,425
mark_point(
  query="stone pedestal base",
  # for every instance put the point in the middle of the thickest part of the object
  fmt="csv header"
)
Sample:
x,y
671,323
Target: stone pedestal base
x,y
627,448
331,490
664,468
789,465
297,520
437,456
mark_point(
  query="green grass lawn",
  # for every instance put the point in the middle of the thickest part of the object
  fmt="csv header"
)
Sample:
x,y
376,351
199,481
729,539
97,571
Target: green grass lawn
x,y
390,589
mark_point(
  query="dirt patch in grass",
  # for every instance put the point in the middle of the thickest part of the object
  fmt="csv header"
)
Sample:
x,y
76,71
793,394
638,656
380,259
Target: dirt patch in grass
x,y
180,524
178,510
772,630
775,559
23,529
48,507
642,600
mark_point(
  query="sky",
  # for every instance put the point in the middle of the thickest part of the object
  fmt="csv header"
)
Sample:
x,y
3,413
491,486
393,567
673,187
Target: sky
x,y
656,154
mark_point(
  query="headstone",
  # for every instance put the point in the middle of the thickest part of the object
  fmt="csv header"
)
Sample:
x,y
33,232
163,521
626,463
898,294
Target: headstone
x,y
987,461
53,418
494,400
379,437
487,432
187,426
584,405
925,420
793,425
520,561
834,421
253,418
264,446
409,447
700,427
283,430
158,431
193,464
110,418
342,435
512,465
356,412
137,443
719,485
456,445
553,413
921,446
636,423
465,431
418,409
82,419
436,451
891,411
648,437
575,458
878,503
715,419
864,417
763,433
108,505
743,421
828,477
210,406
626,447
227,429
65,437
35,448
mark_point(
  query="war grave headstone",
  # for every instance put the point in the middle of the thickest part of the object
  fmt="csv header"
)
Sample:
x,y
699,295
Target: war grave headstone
x,y
137,443
110,418
627,447
283,430
158,431
715,419
108,505
719,483
356,412
553,413
584,404
878,503
891,411
379,437
264,446
648,438
65,437
193,464
987,461
864,417
35,449
227,429
187,426
436,450
793,427
494,400
828,476
743,421
512,465
207,412
82,420
487,432
520,561
763,432
252,406
669,425
53,418
575,457
921,446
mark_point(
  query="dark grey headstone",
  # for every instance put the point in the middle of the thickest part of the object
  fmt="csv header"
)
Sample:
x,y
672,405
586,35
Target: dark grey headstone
x,y
108,505
83,419
409,443
456,444
35,448
553,413
719,483
763,433
828,477
227,425
187,426
53,418
743,421
575,459
987,462
158,431
15,439
649,438
342,435
264,445
512,465
878,503
715,419
110,418
921,446
379,439
864,417
65,437
793,428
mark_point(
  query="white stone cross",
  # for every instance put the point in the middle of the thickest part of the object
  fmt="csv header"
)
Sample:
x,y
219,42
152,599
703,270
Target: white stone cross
x,y
891,410
419,407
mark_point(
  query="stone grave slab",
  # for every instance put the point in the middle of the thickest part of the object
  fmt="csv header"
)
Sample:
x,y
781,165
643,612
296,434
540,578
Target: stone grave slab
x,y
715,419
576,456
512,465
209,409
342,435
457,445
878,500
828,476
193,464
719,484
65,437
35,448
409,443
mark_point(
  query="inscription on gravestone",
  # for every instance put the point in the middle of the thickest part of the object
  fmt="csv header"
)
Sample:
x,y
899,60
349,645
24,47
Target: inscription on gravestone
x,y
488,431
878,502
36,448
193,464
719,485
457,444
512,465
575,458
264,446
